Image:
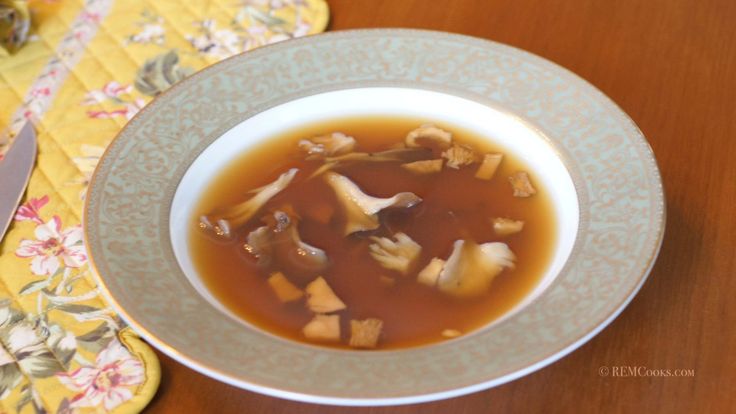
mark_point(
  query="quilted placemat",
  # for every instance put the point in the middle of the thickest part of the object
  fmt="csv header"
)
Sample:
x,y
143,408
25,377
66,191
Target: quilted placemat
x,y
86,68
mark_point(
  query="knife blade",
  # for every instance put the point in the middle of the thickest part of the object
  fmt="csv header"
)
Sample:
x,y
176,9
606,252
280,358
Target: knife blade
x,y
15,170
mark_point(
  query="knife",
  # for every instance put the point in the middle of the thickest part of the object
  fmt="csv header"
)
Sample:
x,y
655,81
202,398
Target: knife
x,y
15,170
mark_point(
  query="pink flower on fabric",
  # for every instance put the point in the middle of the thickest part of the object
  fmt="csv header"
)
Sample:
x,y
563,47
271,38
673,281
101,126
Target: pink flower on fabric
x,y
30,210
40,92
114,89
53,247
91,17
107,114
111,90
107,382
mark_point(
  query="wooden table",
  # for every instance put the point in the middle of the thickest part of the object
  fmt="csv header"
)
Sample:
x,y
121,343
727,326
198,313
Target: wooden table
x,y
671,65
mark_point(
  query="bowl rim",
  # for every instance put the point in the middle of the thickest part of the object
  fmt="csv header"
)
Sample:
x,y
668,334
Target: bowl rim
x,y
553,356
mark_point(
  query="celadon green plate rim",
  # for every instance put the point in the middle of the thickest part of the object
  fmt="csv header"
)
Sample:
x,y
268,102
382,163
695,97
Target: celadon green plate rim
x,y
615,173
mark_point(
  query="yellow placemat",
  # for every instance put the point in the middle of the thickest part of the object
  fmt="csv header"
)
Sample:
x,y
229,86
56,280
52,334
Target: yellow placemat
x,y
87,67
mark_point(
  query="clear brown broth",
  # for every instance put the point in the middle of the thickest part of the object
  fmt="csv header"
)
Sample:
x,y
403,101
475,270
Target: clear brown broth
x,y
455,206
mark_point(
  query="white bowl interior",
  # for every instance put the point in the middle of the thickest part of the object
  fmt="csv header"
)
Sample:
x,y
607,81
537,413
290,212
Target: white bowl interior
x,y
506,130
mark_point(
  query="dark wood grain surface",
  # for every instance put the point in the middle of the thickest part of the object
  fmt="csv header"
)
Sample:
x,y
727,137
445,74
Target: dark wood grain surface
x,y
671,65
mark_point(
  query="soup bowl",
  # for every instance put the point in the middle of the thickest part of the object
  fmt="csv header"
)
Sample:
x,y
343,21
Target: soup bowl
x,y
594,162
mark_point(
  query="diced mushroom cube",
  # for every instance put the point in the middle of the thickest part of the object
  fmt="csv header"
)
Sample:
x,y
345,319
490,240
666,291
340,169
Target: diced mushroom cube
x,y
459,155
321,298
489,166
323,328
365,333
284,290
451,333
429,275
522,185
505,226
423,167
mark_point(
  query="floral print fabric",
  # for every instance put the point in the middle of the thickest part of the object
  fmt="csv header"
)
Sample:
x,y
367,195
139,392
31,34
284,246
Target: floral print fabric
x,y
88,67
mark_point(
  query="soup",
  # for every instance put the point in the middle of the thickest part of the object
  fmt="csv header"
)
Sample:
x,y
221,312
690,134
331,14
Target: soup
x,y
373,233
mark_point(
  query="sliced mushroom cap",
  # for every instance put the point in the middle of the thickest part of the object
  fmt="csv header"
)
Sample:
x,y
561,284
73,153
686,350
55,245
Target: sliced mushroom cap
x,y
279,242
221,222
329,145
389,155
395,255
429,135
471,267
424,166
362,210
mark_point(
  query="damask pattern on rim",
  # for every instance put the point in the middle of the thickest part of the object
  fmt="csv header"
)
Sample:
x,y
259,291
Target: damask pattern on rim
x,y
622,210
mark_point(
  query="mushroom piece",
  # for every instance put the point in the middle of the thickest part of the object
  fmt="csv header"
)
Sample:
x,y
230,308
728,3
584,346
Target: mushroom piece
x,y
221,222
329,145
451,333
390,155
505,226
522,185
429,275
284,290
488,167
395,255
323,328
394,154
321,298
471,267
423,167
279,241
429,135
365,333
361,209
459,155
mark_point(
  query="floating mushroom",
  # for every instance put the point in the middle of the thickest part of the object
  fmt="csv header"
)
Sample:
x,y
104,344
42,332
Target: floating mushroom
x,y
279,242
459,155
365,333
522,185
506,227
321,298
429,275
429,135
395,255
488,166
471,267
424,166
329,145
361,209
221,222
323,328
